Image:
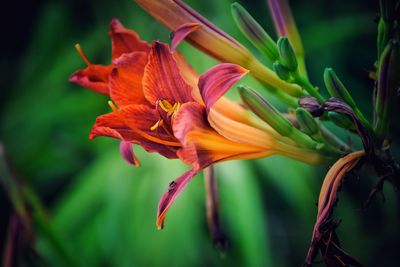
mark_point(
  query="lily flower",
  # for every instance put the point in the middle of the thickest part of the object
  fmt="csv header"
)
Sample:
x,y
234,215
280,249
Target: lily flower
x,y
160,103
213,41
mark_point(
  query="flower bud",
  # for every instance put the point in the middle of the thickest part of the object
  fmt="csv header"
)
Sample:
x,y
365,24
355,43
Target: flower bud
x,y
281,71
287,56
336,88
307,122
264,110
254,32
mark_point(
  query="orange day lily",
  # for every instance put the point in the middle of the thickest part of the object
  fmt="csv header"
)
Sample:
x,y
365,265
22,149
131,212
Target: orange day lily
x,y
160,103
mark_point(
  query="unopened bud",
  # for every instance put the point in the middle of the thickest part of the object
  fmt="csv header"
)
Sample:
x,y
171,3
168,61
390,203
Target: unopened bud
x,y
254,32
265,111
336,88
287,56
307,122
281,71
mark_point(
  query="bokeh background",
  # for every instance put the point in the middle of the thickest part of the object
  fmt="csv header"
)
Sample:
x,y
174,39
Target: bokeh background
x,y
87,207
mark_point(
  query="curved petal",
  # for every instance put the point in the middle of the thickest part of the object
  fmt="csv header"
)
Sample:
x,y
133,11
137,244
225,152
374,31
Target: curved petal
x,y
174,189
190,76
202,145
126,150
218,80
126,79
124,40
162,79
181,32
94,77
115,125
240,132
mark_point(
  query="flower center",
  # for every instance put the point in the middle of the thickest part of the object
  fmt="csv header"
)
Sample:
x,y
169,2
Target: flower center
x,y
169,109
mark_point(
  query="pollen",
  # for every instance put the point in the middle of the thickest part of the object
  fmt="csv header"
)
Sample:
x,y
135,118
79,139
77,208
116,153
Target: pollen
x,y
82,54
168,107
112,105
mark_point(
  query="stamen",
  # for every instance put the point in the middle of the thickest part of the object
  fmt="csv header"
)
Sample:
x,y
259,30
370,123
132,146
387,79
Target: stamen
x,y
83,56
155,139
165,105
112,106
159,123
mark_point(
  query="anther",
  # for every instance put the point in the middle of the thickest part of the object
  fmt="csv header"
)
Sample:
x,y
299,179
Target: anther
x,y
112,106
159,123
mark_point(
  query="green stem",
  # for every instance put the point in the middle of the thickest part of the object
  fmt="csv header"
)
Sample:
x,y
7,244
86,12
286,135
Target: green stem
x,y
284,97
333,139
305,83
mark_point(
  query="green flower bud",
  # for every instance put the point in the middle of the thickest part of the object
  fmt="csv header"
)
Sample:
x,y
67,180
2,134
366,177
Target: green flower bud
x,y
281,71
336,88
254,32
307,122
268,113
287,56
264,110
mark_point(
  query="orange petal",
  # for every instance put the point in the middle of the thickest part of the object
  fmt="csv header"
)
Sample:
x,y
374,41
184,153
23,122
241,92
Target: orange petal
x,y
189,74
126,79
124,40
162,79
202,145
94,77
139,121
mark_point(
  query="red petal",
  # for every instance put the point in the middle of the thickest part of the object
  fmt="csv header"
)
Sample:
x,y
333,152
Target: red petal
x,y
180,33
124,40
114,125
174,189
126,79
126,150
110,125
218,80
162,79
94,77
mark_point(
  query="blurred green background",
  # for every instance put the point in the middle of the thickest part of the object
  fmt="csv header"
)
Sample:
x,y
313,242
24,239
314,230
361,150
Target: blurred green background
x,y
89,208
